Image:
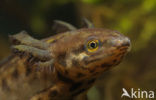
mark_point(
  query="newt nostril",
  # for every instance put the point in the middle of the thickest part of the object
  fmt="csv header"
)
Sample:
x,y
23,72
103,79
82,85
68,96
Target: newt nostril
x,y
121,41
126,42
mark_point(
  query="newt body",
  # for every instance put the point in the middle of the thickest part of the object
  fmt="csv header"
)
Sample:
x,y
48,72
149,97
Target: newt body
x,y
60,67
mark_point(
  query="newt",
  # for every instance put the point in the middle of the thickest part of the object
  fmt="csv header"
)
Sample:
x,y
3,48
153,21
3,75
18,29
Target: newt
x,y
61,67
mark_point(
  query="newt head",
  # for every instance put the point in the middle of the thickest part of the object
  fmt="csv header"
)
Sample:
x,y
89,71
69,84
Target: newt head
x,y
64,65
86,51
105,48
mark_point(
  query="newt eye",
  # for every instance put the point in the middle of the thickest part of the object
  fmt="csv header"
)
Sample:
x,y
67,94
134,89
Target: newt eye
x,y
92,45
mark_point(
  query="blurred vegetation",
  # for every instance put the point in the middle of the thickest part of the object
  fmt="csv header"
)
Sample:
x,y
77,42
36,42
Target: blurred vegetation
x,y
134,18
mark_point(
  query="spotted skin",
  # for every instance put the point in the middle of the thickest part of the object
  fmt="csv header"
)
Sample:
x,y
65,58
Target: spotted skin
x,y
68,68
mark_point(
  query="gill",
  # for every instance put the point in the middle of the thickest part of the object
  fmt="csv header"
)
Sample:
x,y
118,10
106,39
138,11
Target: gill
x,y
61,27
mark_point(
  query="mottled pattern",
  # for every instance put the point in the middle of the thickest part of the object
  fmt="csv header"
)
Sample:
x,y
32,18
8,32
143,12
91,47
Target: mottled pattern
x,y
63,68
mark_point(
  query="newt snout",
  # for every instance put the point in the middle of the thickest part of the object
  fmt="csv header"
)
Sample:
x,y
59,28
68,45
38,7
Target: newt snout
x,y
120,41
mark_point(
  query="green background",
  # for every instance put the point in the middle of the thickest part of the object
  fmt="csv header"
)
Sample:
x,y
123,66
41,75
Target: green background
x,y
133,18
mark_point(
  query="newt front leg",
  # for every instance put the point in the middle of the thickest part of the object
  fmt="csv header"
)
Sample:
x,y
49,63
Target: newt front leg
x,y
56,92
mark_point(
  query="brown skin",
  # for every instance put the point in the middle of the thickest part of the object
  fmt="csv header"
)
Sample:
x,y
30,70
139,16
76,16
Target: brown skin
x,y
69,69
